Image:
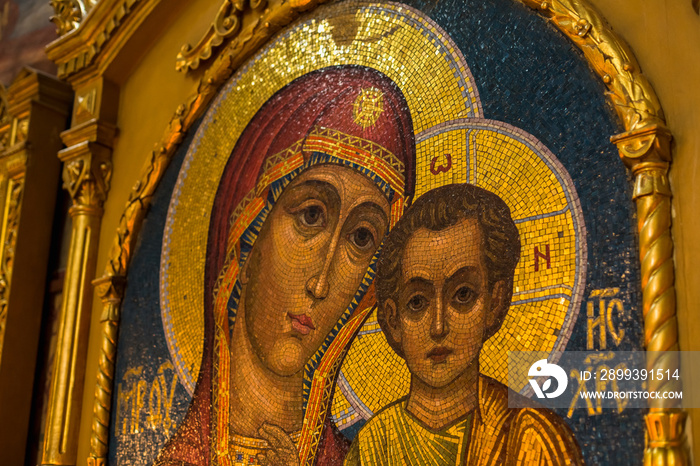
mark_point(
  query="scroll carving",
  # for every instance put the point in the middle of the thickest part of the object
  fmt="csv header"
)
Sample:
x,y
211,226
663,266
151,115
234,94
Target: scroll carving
x,y
69,13
68,16
226,24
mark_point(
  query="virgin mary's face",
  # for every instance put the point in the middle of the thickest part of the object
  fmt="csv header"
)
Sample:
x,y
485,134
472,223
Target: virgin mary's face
x,y
308,262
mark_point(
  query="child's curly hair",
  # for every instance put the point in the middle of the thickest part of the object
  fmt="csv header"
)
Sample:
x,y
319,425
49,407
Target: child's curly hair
x,y
441,208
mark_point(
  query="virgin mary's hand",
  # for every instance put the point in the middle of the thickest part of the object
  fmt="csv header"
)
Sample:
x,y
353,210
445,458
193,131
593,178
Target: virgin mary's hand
x,y
283,451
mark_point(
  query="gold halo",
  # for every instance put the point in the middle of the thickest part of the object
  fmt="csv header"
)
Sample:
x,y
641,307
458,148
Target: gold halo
x,y
396,40
547,211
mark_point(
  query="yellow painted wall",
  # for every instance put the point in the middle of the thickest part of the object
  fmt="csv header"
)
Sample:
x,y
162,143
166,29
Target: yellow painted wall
x,y
665,35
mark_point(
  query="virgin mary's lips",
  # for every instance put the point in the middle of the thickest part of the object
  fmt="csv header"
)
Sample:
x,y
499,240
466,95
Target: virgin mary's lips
x,y
301,323
439,354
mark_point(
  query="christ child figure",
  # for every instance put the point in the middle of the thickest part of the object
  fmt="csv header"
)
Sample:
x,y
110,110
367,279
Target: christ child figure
x,y
444,285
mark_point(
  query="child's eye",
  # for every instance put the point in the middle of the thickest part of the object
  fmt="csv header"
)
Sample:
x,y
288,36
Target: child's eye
x,y
417,303
464,295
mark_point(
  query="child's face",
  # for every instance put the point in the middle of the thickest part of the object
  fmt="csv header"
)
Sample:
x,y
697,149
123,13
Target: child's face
x,y
444,303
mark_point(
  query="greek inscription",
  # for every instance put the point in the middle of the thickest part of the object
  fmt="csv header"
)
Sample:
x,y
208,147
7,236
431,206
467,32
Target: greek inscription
x,y
146,404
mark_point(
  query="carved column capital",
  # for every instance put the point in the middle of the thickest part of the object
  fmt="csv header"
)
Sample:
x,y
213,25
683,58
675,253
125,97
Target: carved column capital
x,y
110,289
87,166
647,152
69,13
87,171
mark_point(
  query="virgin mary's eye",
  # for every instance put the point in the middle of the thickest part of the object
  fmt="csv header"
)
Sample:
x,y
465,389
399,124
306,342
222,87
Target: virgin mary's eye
x,y
312,216
362,238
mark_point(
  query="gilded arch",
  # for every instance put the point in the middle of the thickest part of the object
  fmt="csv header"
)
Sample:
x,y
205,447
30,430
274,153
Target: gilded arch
x,y
645,148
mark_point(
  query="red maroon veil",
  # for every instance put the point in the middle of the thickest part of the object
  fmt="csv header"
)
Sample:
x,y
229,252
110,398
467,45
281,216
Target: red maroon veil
x,y
320,99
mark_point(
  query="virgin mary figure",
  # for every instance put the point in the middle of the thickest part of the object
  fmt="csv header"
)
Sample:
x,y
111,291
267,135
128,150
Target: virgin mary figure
x,y
317,178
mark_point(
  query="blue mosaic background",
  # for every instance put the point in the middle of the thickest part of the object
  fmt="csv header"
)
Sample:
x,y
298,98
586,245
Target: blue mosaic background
x,y
528,75
142,340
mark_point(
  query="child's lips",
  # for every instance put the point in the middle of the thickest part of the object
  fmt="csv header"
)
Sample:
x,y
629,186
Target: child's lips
x,y
439,354
301,323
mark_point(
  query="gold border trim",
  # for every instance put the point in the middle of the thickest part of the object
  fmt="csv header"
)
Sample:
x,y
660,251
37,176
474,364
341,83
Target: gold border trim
x,y
610,57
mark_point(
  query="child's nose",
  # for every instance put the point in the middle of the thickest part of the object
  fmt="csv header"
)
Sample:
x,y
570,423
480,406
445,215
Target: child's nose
x,y
438,326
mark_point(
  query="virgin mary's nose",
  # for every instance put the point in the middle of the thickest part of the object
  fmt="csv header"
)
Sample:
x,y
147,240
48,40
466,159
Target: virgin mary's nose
x,y
317,287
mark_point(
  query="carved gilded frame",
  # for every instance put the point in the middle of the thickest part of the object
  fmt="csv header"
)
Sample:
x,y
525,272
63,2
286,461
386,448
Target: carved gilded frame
x,y
242,26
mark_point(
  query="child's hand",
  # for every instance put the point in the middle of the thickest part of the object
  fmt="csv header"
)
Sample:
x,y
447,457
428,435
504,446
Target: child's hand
x,y
283,452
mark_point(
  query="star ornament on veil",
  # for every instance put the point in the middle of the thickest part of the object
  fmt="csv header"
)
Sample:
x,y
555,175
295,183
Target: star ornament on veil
x,y
367,108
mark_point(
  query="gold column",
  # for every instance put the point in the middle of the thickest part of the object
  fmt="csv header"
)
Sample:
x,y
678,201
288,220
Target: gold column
x,y
647,152
111,291
87,171
35,110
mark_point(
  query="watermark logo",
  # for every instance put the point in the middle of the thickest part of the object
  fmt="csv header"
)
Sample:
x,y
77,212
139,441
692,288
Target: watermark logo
x,y
595,381
542,368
